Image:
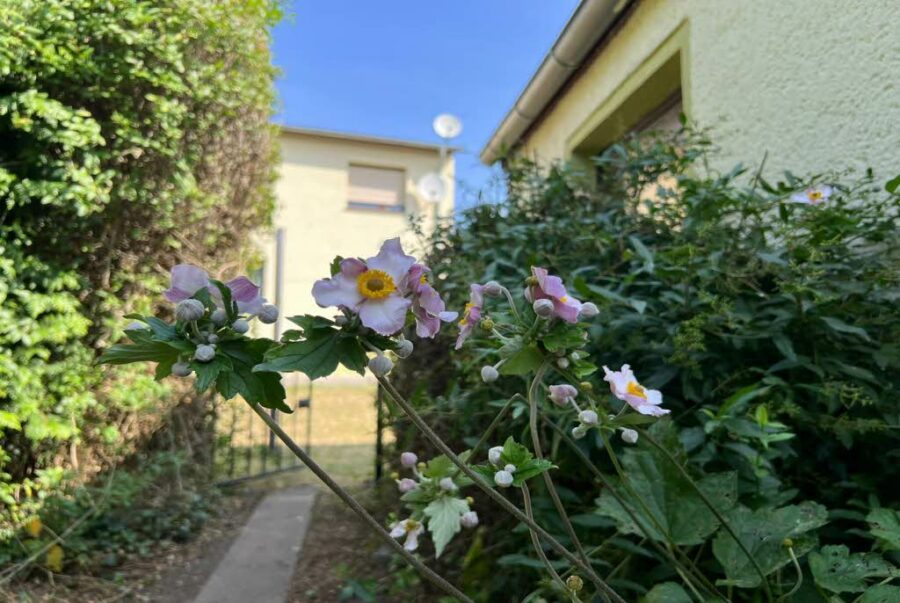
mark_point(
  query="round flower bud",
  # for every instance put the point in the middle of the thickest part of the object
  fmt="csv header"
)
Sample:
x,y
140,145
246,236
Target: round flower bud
x,y
204,353
579,431
588,310
404,348
489,374
575,356
510,467
219,316
493,289
588,417
240,326
543,308
470,501
340,320
380,365
181,369
526,293
409,459
190,309
504,479
562,363
421,466
494,455
574,583
406,484
268,314
562,394
629,436
212,338
487,324
447,484
586,386
469,519
395,475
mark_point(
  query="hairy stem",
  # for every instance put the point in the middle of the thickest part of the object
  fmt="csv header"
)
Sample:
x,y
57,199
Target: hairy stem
x,y
526,498
492,493
686,564
797,567
357,508
489,431
539,453
712,508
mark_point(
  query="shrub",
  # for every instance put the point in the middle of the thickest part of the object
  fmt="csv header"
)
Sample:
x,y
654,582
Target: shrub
x,y
769,326
135,134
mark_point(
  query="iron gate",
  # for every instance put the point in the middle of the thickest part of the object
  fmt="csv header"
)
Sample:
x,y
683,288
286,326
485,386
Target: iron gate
x,y
246,449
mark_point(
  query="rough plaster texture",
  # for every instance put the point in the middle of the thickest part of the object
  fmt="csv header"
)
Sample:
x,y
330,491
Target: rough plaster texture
x,y
312,209
813,83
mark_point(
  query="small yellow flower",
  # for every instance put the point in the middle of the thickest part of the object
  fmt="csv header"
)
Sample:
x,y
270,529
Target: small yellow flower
x,y
34,526
55,558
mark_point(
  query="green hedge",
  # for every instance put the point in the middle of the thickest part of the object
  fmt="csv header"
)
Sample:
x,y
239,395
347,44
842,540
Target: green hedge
x,y
771,328
135,135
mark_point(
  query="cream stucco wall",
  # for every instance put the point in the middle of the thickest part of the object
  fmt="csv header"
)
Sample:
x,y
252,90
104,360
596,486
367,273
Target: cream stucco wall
x,y
813,83
317,224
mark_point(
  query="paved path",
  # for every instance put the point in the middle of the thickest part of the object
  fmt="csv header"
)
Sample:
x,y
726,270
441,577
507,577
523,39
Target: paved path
x,y
259,565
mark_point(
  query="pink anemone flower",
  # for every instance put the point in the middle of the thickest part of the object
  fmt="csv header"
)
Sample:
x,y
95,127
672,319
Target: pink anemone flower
x,y
186,280
625,387
472,313
551,287
814,195
411,529
427,305
372,288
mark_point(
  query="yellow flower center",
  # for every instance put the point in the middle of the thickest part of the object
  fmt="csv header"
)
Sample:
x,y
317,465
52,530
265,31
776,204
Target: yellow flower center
x,y
636,390
375,284
564,298
465,318
423,279
814,195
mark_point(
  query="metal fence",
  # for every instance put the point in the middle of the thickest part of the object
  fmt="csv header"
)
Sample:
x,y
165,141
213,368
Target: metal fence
x,y
245,448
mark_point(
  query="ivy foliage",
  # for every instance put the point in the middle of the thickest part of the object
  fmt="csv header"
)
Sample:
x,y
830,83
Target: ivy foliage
x,y
135,135
770,327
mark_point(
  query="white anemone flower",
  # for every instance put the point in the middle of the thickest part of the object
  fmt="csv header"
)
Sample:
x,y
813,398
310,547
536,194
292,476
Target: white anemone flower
x,y
814,195
411,529
625,387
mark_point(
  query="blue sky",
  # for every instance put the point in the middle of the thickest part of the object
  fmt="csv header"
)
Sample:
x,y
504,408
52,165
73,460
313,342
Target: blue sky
x,y
386,68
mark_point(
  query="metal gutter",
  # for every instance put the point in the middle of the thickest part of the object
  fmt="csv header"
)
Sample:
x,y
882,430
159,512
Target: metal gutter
x,y
591,20
364,138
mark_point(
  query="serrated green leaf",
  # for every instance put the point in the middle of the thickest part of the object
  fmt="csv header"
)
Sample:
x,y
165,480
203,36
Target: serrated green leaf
x,y
317,357
884,524
835,569
261,388
840,326
763,533
144,349
207,372
529,469
667,592
352,354
881,593
564,336
523,362
444,520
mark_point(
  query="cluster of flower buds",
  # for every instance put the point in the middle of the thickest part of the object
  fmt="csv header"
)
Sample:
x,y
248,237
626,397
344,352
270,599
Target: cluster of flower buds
x,y
503,477
205,324
428,488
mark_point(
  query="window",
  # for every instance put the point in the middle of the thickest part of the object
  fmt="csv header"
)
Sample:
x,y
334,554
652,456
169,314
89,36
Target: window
x,y
374,188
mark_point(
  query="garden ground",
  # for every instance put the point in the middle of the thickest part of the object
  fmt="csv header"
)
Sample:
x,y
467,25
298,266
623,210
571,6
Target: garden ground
x,y
339,549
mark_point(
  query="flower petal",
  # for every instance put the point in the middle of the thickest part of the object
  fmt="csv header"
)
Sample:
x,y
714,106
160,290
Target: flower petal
x,y
551,285
243,289
384,316
567,310
392,260
185,281
338,291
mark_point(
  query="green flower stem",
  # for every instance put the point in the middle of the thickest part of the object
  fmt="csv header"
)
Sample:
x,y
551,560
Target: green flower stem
x,y
797,567
647,437
490,430
539,453
686,564
493,494
535,541
512,304
357,508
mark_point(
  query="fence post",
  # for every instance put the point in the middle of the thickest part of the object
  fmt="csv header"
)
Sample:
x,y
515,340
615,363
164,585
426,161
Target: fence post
x,y
379,445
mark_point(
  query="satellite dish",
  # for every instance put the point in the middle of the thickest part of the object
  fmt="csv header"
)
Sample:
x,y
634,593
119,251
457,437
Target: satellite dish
x,y
447,126
431,187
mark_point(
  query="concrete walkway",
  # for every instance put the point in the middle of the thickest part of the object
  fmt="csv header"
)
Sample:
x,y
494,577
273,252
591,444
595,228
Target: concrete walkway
x,y
259,565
